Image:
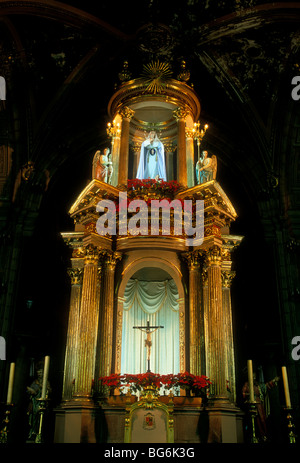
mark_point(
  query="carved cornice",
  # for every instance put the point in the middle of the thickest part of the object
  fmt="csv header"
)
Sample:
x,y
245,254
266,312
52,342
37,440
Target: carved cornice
x,y
177,93
90,196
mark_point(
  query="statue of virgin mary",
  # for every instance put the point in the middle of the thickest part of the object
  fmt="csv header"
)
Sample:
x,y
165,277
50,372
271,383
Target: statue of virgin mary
x,y
152,159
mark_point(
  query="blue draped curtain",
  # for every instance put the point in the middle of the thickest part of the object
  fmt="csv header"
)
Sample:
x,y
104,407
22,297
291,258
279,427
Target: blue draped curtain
x,y
156,302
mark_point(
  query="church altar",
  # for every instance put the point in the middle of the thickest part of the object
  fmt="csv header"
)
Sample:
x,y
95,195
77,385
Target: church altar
x,y
136,265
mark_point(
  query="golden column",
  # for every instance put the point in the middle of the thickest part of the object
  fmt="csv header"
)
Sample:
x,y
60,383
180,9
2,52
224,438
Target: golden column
x,y
136,147
88,326
114,131
216,336
169,152
195,314
180,115
227,277
190,163
106,325
126,114
75,274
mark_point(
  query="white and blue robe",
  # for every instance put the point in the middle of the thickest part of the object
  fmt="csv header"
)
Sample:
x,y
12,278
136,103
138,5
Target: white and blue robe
x,y
152,161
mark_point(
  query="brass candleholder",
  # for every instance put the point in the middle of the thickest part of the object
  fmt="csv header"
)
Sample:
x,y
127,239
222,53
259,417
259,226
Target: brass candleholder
x,y
43,405
253,414
5,430
291,427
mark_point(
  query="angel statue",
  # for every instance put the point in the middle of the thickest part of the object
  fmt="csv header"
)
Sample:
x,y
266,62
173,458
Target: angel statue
x,y
152,159
206,168
102,166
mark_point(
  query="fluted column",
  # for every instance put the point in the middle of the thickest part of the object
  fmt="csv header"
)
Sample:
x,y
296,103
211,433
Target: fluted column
x,y
88,326
169,153
106,317
190,164
216,342
180,115
195,314
115,157
72,334
227,277
136,147
126,114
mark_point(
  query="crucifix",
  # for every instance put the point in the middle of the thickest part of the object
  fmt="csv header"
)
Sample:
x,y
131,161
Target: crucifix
x,y
148,342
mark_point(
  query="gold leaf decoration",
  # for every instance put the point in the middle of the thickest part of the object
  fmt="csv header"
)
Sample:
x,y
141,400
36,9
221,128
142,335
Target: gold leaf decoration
x,y
156,75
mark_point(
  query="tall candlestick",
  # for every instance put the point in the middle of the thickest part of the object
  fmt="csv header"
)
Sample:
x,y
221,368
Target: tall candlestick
x,y
286,388
250,380
10,383
45,377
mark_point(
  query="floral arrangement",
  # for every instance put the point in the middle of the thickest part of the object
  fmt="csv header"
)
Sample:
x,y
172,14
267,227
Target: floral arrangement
x,y
159,186
125,203
137,382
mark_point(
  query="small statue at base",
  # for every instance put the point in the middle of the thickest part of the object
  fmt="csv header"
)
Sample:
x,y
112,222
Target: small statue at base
x,y
262,402
103,166
206,168
35,392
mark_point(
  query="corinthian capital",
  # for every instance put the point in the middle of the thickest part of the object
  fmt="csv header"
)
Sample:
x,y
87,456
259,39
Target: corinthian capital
x,y
91,254
112,258
126,113
227,277
180,113
193,259
214,255
75,275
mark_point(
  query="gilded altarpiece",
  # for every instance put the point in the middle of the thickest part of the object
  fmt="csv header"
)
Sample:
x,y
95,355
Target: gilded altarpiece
x,y
102,265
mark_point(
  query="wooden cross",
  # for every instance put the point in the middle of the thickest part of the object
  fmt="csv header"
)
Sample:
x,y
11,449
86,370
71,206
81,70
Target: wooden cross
x,y
148,342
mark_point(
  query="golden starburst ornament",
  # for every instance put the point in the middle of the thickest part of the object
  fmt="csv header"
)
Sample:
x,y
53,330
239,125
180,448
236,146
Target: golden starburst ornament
x,y
156,75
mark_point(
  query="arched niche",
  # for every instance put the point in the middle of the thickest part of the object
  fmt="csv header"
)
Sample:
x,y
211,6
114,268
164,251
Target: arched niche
x,y
163,267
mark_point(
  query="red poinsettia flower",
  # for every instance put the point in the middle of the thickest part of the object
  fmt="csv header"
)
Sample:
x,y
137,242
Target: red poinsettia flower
x,y
137,382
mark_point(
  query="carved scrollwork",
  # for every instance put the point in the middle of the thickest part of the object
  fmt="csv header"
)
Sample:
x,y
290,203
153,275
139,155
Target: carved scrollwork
x,y
227,278
75,275
214,255
126,113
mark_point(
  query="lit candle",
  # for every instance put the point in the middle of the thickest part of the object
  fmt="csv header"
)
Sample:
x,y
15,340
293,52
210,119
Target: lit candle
x,y
250,380
286,388
10,382
45,377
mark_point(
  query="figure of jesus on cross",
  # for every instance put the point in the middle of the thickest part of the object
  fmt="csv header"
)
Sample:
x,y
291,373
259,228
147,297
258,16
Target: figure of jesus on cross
x,y
148,341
